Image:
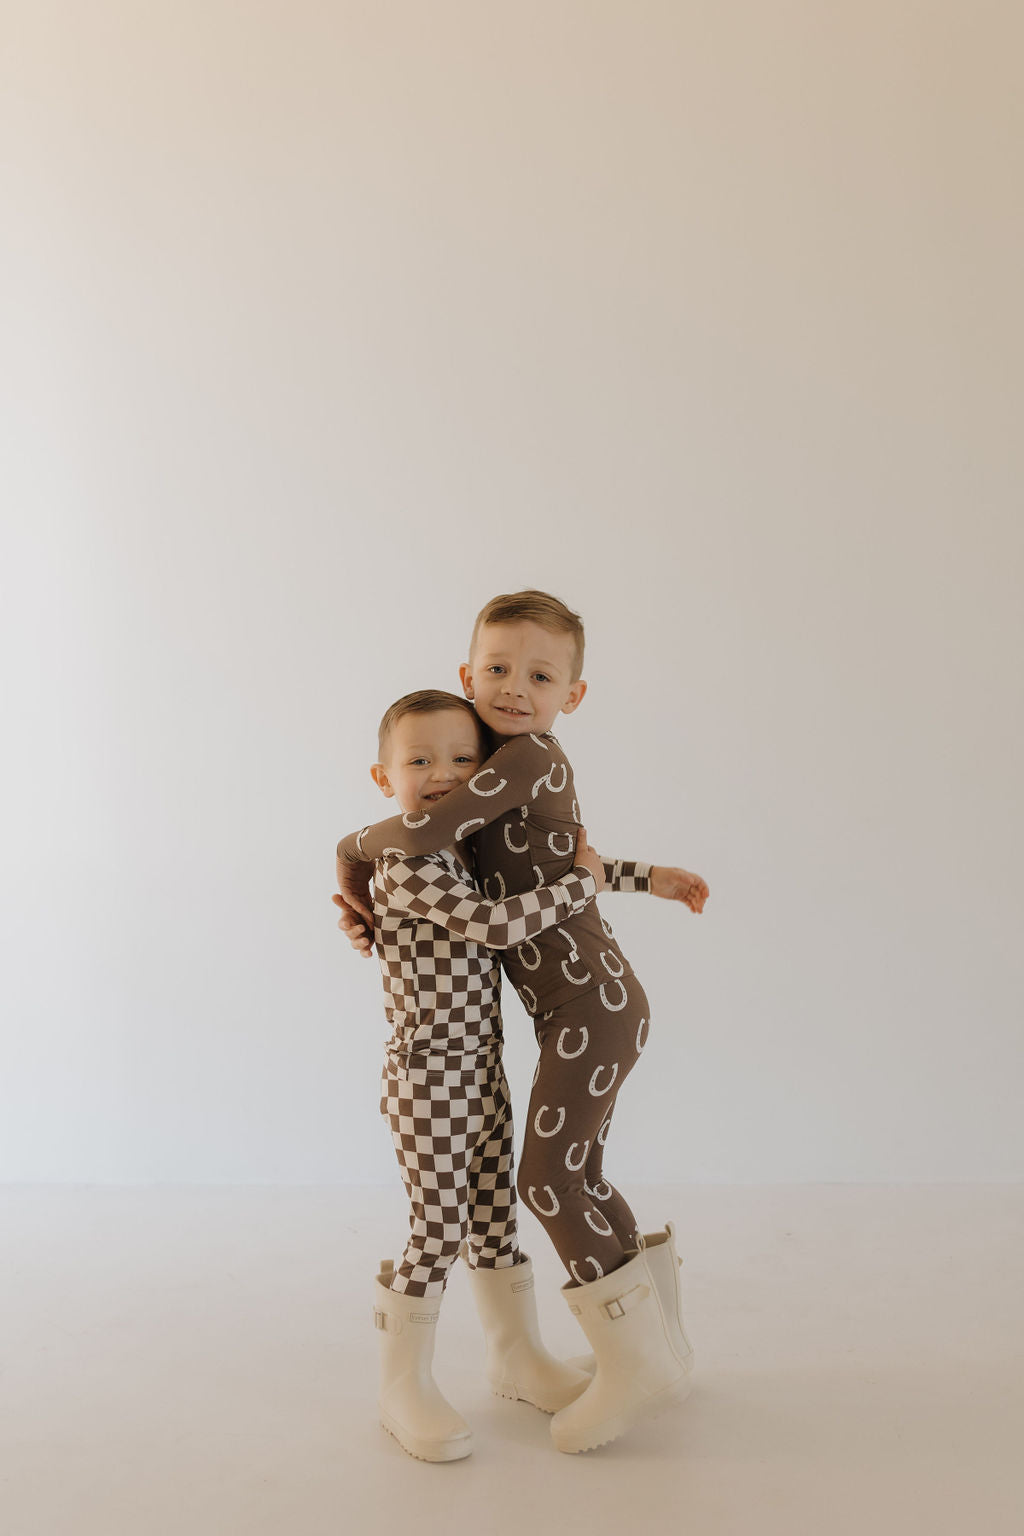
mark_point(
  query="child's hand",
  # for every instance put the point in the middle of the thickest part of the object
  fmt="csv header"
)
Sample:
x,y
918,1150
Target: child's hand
x,y
354,927
590,858
679,885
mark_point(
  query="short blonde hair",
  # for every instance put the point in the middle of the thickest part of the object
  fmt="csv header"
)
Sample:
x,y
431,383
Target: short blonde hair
x,y
427,701
534,607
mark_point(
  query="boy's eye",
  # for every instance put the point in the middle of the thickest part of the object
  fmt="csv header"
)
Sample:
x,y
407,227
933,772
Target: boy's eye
x,y
495,668
465,759
418,762
541,677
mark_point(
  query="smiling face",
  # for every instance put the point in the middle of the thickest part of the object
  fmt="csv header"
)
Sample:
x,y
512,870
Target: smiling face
x,y
426,755
520,677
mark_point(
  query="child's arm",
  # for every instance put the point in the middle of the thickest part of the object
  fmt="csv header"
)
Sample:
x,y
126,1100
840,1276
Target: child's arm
x,y
512,776
659,879
421,887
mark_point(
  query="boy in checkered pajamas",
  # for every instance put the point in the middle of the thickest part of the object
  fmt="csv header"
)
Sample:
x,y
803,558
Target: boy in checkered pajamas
x,y
443,1088
591,1016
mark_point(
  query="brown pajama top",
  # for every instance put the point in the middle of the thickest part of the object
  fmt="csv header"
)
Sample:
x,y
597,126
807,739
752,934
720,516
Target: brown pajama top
x,y
521,812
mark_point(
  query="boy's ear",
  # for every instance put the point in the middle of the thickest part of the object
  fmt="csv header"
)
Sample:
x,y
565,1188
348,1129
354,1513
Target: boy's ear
x,y
466,679
575,698
378,774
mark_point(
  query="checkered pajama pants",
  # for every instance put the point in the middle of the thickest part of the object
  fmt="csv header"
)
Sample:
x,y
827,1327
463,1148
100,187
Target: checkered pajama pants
x,y
453,1137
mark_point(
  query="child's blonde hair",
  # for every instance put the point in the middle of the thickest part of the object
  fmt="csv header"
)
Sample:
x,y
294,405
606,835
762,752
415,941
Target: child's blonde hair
x,y
427,701
537,608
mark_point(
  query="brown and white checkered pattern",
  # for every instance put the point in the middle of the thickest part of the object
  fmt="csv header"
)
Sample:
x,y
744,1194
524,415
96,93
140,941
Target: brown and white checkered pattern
x,y
627,875
435,936
443,1091
454,1146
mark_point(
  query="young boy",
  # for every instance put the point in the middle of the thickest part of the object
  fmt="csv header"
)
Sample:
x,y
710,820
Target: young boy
x,y
591,1016
443,1086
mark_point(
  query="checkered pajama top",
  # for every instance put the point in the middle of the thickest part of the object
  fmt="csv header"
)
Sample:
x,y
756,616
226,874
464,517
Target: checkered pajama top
x,y
435,939
520,813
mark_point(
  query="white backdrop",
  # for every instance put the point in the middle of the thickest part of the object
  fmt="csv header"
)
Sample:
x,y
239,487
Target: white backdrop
x,y
326,323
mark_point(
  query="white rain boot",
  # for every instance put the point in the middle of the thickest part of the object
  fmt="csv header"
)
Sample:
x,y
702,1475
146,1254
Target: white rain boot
x,y
412,1407
638,1368
665,1263
518,1365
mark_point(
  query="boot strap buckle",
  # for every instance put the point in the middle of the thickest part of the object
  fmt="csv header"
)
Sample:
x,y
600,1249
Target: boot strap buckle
x,y
620,1305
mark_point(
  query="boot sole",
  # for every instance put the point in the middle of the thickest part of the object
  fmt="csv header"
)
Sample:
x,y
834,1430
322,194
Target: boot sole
x,y
602,1434
427,1450
511,1395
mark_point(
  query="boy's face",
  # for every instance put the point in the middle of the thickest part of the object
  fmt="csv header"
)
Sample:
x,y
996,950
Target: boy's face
x,y
520,677
427,755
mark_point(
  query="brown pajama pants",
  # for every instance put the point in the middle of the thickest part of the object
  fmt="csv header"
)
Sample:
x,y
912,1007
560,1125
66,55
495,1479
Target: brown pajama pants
x,y
588,1046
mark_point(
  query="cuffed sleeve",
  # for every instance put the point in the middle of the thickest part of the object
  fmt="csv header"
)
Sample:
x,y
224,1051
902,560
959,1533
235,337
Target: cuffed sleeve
x,y
626,874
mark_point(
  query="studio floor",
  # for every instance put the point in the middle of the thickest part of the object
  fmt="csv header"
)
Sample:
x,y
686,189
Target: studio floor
x,y
201,1362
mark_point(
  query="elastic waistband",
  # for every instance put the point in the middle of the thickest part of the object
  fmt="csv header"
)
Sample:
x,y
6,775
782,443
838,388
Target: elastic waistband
x,y
442,1072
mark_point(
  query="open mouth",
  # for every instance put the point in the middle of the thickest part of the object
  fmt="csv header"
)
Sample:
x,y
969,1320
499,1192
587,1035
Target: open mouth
x,y
517,714
437,795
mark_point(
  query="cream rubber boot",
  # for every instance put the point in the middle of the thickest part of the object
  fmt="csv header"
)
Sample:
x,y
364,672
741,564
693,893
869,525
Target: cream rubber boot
x,y
665,1266
639,1369
518,1365
412,1407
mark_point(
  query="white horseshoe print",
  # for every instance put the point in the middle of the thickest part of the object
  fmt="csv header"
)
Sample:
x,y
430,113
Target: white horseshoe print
x,y
535,791
501,886
540,876
540,742
611,968
531,1196
559,1122
599,1093
641,1031
406,822
557,788
614,1007
575,811
607,929
602,1231
577,981
474,781
530,1002
575,1167
359,839
571,1055
595,1193
528,944
599,1272
461,831
393,852
553,843
602,1134
515,847
536,1074
574,955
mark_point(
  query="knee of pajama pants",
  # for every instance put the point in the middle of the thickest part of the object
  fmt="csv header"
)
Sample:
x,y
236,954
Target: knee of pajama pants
x,y
545,1183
